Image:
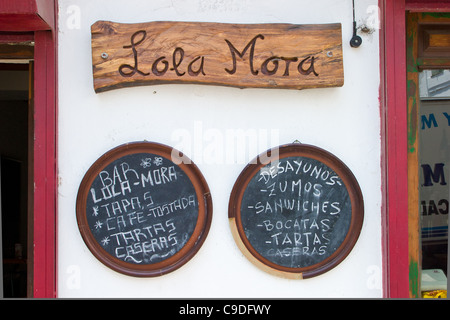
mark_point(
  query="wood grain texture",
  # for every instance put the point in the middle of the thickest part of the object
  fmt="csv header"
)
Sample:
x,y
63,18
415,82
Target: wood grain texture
x,y
238,55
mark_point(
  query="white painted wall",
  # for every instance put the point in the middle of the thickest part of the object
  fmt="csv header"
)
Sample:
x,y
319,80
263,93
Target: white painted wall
x,y
344,121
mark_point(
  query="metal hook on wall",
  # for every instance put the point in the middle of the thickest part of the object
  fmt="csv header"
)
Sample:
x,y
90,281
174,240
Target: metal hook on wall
x,y
356,40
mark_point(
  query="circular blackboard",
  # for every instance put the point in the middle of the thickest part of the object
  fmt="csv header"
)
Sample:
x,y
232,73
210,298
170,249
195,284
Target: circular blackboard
x,y
296,211
144,209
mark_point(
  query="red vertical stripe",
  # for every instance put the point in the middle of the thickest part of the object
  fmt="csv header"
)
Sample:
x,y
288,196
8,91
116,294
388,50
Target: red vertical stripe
x,y
394,109
45,166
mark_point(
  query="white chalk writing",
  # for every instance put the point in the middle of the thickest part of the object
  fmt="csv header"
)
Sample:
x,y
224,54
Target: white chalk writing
x,y
135,206
291,207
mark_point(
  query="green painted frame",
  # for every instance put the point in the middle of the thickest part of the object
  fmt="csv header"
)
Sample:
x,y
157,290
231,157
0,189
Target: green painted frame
x,y
415,63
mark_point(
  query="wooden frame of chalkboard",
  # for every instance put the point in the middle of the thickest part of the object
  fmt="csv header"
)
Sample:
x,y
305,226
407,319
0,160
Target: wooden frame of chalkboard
x,y
296,211
144,209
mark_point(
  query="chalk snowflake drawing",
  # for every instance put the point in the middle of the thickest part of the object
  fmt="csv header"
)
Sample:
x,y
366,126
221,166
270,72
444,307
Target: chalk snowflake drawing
x,y
98,225
146,163
105,241
158,161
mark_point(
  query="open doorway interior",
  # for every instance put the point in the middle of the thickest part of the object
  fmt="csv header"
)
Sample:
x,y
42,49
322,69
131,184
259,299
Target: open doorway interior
x,y
15,126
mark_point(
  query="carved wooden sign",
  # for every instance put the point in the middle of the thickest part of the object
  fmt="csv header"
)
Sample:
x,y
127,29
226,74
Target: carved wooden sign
x,y
239,55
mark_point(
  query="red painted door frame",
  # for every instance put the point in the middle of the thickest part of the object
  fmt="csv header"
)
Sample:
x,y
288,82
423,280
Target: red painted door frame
x,y
393,104
393,98
37,17
45,164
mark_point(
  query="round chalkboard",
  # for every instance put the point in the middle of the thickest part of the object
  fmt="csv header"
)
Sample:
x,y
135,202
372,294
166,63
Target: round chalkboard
x,y
144,209
296,211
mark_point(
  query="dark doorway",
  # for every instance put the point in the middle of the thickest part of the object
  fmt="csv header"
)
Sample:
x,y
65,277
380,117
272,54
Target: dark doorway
x,y
14,150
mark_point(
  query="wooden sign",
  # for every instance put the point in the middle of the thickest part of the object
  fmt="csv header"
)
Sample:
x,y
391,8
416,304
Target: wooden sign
x,y
297,215
239,55
144,209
